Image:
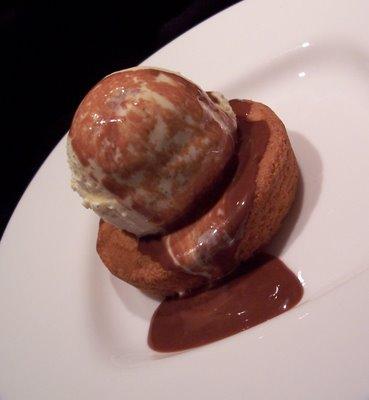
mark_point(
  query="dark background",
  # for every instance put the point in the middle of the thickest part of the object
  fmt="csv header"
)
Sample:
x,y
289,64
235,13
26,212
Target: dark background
x,y
51,56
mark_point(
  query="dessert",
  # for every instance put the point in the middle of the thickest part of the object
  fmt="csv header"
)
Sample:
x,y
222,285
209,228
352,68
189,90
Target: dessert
x,y
187,184
149,150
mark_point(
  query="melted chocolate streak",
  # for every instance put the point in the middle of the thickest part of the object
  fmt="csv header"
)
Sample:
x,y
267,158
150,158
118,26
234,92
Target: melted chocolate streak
x,y
233,197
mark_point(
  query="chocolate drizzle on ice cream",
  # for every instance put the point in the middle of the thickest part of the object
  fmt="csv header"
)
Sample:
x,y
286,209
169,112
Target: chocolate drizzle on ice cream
x,y
208,246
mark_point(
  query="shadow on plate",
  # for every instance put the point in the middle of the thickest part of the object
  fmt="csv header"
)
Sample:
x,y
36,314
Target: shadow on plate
x,y
136,301
308,192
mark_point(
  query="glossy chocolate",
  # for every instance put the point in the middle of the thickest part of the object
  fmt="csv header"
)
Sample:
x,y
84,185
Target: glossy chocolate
x,y
263,288
208,245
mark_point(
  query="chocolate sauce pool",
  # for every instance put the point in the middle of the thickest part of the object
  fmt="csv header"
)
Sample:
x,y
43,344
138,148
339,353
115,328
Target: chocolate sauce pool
x,y
263,289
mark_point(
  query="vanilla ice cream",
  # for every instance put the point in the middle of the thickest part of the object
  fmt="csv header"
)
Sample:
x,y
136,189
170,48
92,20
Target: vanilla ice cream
x,y
145,144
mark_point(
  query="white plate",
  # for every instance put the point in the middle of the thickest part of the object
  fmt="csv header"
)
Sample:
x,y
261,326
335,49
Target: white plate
x,y
69,330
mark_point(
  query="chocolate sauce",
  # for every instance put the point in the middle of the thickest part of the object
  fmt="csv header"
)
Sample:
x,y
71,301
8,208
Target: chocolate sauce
x,y
259,290
208,245
263,289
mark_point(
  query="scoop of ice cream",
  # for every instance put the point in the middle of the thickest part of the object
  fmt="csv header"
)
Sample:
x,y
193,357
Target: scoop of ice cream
x,y
145,144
